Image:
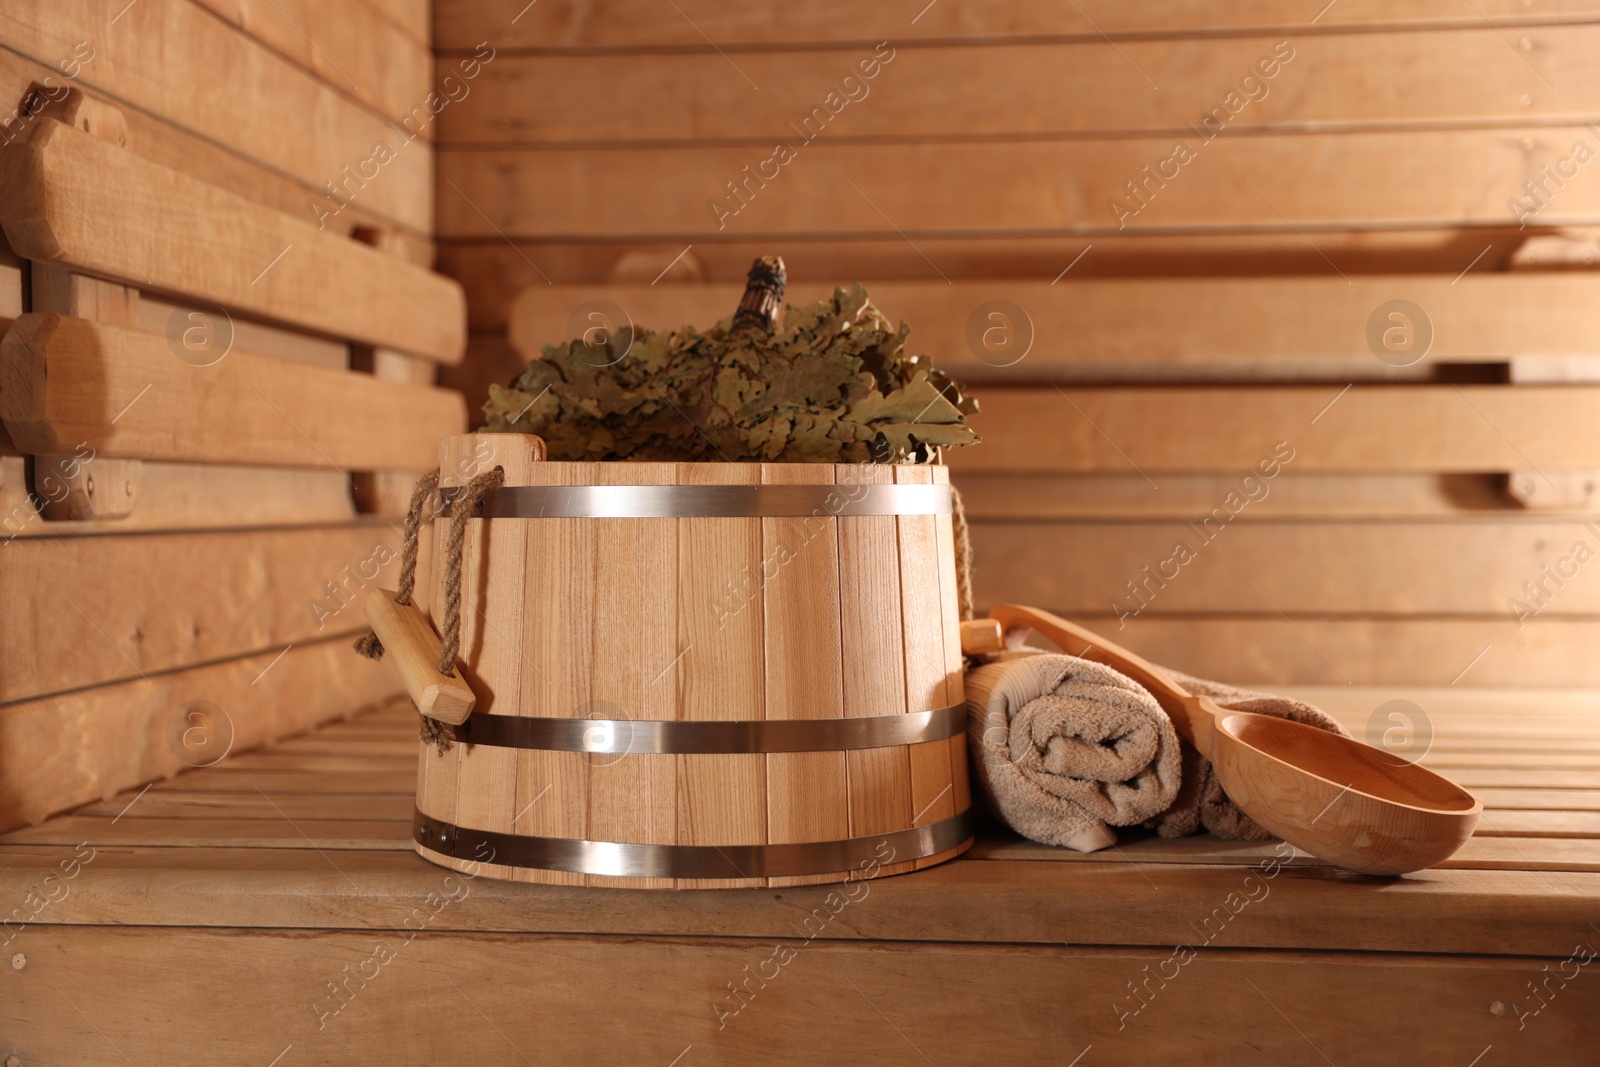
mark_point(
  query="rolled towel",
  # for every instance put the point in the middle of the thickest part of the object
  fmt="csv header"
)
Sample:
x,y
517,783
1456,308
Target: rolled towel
x,y
1201,804
1064,748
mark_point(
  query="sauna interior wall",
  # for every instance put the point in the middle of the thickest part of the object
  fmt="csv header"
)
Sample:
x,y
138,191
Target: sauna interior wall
x,y
1339,159
208,601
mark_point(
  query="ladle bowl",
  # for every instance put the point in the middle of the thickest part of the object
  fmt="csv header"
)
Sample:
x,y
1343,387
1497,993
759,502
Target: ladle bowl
x,y
1333,797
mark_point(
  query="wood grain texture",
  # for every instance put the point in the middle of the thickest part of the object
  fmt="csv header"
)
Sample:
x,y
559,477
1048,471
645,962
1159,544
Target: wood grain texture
x,y
168,318
153,57
722,675
1440,568
497,271
1432,428
995,495
636,23
70,384
186,496
50,762
833,1001
349,45
692,618
1039,89
86,611
872,641
807,792
633,664
473,785
1266,649
1115,328
1310,181
974,900
73,199
933,764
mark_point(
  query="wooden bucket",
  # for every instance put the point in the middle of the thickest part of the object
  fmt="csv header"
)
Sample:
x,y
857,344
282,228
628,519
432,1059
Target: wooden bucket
x,y
768,676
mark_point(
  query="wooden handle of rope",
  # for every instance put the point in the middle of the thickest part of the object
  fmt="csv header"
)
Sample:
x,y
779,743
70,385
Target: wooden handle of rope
x,y
411,645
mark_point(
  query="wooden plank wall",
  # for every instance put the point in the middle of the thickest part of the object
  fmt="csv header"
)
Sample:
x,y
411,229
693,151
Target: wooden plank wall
x,y
216,380
1200,215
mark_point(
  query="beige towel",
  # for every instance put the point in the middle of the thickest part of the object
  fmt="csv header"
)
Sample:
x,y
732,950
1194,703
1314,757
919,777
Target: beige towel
x,y
1064,748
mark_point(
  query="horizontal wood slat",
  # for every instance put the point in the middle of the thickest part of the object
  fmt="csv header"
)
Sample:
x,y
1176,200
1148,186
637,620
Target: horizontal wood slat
x,y
496,271
1118,325
1404,568
78,612
643,24
416,16
73,199
1376,428
1319,82
994,495
175,59
347,44
69,383
1305,181
1266,649
156,139
168,496
962,1004
50,760
997,900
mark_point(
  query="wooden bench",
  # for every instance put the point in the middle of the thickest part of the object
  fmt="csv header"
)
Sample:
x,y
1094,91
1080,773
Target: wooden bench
x,y
270,909
212,413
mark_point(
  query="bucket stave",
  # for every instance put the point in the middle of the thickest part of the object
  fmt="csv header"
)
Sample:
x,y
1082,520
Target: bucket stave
x,y
735,618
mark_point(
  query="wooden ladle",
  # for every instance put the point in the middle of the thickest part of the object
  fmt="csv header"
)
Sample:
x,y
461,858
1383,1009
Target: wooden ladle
x,y
1336,798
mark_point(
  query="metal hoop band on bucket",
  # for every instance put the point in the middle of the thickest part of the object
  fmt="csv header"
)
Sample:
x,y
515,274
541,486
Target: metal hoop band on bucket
x,y
630,860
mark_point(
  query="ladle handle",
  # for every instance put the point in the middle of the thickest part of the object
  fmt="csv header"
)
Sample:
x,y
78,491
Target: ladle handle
x,y
1192,716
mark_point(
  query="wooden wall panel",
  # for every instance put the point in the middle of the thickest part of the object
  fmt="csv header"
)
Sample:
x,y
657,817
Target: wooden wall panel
x,y
86,611
496,270
228,105
1109,328
347,44
1422,428
170,144
1298,568
641,23
70,383
1310,181
1265,650
69,195
1047,89
158,55
62,750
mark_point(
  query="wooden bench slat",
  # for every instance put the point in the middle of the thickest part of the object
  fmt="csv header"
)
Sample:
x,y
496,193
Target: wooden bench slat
x,y
165,804
68,197
74,384
1522,912
891,1004
219,780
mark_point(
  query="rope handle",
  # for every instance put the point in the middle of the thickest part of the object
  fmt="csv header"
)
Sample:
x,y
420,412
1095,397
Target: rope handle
x,y
443,697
